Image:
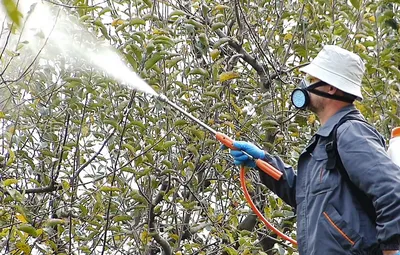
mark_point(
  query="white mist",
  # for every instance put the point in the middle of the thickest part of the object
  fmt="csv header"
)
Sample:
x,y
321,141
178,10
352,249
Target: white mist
x,y
48,31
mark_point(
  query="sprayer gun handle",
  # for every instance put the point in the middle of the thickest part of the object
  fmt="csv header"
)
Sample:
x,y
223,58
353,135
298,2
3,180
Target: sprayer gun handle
x,y
225,140
269,169
261,164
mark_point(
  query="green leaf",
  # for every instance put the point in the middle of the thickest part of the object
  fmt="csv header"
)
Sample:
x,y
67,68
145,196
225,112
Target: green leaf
x,y
188,205
65,185
356,3
29,229
24,247
269,123
137,51
221,42
153,60
128,170
168,144
180,122
12,11
167,163
173,61
199,70
215,54
9,182
205,158
230,251
129,147
195,23
217,25
119,218
394,117
149,3
203,39
221,7
150,158
395,70
212,94
109,188
138,124
164,146
131,61
105,10
137,21
112,123
177,13
102,28
11,158
162,39
54,222
136,196
198,133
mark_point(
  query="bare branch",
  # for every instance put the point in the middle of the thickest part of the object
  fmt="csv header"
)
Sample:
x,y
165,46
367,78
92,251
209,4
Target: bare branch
x,y
73,178
53,187
246,57
156,235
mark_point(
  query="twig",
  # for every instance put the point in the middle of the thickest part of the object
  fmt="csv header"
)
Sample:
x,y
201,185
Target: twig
x,y
53,187
125,121
74,7
161,241
62,149
72,182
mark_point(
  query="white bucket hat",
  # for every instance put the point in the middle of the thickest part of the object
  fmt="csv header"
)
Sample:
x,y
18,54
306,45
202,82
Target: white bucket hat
x,y
338,67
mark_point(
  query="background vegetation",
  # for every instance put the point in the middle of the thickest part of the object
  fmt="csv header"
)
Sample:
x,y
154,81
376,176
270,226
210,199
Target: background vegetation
x,y
91,167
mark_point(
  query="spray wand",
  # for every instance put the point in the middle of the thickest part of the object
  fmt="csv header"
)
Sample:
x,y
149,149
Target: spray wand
x,y
264,166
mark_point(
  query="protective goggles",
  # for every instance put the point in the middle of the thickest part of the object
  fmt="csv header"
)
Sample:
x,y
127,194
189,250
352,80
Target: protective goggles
x,y
301,96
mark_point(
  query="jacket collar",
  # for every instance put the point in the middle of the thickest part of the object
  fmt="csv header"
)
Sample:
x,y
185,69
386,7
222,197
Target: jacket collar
x,y
326,129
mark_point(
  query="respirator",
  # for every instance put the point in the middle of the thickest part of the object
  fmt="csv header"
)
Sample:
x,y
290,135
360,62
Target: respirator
x,y
301,96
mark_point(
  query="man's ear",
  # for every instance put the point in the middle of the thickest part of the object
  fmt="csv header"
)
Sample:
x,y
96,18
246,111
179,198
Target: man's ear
x,y
332,90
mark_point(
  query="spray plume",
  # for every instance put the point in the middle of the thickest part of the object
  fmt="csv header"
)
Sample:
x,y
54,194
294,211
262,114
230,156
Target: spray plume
x,y
48,31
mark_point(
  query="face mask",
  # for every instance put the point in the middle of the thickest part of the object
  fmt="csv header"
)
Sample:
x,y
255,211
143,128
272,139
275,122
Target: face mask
x,y
301,96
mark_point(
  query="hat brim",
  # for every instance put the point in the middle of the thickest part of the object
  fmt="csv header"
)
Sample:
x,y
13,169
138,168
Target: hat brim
x,y
333,79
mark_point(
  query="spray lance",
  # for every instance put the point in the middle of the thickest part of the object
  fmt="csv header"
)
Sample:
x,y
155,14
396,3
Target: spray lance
x,y
228,142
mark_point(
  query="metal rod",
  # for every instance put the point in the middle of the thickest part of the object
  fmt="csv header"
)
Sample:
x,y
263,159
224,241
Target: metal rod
x,y
190,116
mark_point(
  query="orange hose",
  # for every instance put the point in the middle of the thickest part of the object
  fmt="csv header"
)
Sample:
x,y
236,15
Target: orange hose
x,y
257,212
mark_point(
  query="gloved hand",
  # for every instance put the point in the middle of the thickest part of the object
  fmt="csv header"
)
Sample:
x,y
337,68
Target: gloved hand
x,y
241,158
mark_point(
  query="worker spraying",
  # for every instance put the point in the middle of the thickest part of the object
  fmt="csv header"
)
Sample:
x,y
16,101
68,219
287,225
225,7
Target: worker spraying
x,y
346,190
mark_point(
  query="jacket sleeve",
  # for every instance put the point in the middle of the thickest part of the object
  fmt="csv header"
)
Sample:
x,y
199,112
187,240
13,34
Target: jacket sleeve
x,y
285,188
362,151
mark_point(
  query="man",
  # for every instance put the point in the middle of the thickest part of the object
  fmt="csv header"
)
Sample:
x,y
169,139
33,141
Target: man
x,y
331,219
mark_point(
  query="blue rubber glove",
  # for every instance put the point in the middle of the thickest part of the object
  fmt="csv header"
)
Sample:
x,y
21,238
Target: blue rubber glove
x,y
241,158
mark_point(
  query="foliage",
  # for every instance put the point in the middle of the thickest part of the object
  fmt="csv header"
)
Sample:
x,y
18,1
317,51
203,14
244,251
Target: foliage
x,y
12,11
91,167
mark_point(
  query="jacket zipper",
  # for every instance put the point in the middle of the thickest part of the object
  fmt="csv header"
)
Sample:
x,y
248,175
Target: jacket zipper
x,y
338,229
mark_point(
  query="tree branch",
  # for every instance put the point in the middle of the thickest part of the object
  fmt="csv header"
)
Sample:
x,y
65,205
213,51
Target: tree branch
x,y
245,56
53,187
156,235
72,179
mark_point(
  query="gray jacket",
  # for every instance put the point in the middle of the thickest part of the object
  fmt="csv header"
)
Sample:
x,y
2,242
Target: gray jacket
x,y
330,219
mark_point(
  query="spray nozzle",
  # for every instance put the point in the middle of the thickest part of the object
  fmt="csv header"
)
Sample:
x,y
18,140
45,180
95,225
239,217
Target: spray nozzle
x,y
162,98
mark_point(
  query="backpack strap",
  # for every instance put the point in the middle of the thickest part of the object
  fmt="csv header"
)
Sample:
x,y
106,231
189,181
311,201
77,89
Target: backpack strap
x,y
334,162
